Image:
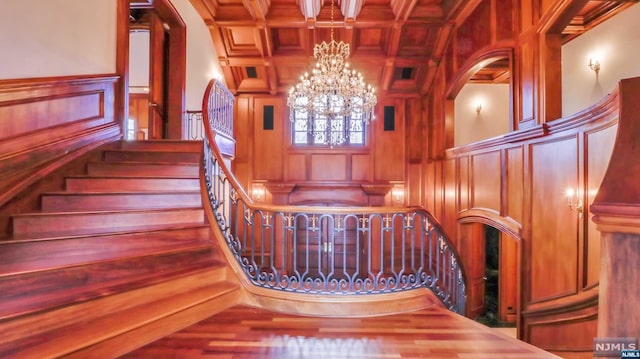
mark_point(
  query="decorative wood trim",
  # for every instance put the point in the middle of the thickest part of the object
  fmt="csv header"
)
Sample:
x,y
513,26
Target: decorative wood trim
x,y
586,299
475,63
121,106
620,218
342,306
617,210
605,110
492,218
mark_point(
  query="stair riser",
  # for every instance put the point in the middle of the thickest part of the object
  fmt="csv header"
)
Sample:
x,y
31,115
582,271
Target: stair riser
x,y
96,202
108,184
142,170
41,226
152,156
163,146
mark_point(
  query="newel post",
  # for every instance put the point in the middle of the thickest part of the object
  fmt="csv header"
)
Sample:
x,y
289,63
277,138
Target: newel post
x,y
616,210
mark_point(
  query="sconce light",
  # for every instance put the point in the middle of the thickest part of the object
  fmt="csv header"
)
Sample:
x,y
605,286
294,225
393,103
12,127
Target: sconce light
x,y
478,108
574,200
258,192
594,65
397,195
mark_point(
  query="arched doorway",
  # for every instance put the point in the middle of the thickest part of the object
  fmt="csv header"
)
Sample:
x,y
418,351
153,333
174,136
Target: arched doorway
x,y
491,252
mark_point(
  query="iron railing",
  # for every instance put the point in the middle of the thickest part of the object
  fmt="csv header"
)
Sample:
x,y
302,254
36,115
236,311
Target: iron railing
x,y
194,128
324,250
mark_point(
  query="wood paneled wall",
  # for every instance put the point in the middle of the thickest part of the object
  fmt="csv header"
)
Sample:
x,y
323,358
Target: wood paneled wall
x,y
518,182
299,174
520,186
44,119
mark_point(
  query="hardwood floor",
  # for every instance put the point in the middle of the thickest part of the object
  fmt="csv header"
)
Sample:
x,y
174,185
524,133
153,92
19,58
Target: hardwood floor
x,y
244,332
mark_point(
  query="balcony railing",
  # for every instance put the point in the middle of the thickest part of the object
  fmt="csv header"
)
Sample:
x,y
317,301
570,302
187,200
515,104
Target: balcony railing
x,y
328,250
194,128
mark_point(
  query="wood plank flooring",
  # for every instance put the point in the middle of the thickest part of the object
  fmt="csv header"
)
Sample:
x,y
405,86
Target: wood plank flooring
x,y
244,332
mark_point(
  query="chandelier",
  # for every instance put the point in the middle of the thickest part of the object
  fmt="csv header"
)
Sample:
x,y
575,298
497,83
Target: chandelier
x,y
333,92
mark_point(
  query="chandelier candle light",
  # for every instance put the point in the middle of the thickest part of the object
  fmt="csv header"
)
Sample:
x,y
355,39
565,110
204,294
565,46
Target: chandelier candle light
x,y
333,92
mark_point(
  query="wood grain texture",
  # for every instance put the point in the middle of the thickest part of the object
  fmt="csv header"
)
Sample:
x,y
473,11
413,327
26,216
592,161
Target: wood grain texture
x,y
245,332
559,251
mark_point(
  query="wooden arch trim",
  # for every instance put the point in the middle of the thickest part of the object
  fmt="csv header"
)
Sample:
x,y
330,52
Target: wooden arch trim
x,y
504,224
475,64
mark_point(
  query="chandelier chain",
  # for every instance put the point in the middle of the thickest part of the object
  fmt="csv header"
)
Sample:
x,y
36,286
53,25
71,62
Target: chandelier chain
x,y
332,20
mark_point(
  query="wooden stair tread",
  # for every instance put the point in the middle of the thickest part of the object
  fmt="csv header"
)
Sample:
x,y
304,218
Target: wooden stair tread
x,y
69,338
103,193
151,210
95,201
90,232
152,156
31,256
147,163
108,183
126,245
88,287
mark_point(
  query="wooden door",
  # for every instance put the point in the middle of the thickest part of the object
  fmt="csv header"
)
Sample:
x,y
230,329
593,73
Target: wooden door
x,y
508,279
157,79
472,245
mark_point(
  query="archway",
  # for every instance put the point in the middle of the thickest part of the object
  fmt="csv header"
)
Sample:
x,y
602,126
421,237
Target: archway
x,y
485,239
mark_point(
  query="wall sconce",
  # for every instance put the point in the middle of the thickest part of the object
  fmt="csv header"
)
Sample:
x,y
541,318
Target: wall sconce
x,y
478,108
594,65
397,195
258,192
574,200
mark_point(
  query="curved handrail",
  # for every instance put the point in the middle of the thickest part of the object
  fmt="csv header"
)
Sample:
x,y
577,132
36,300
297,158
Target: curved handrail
x,y
324,250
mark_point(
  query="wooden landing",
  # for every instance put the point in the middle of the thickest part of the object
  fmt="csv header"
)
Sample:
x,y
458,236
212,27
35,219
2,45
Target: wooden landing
x,y
245,332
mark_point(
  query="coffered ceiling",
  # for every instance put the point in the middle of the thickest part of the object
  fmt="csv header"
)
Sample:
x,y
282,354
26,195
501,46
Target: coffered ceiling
x,y
265,45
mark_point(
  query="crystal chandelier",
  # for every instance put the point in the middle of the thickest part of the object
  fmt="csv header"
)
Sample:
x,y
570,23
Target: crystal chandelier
x,y
333,92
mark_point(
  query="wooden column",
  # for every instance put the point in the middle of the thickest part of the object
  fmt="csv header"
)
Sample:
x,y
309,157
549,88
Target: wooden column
x,y
617,215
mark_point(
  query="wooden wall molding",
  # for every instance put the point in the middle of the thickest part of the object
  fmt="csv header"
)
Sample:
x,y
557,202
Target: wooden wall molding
x,y
56,116
310,193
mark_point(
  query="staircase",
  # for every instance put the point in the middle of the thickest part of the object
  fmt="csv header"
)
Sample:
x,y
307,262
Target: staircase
x,y
121,257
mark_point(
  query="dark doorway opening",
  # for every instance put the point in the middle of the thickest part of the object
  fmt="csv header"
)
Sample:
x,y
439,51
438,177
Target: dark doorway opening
x,y
493,315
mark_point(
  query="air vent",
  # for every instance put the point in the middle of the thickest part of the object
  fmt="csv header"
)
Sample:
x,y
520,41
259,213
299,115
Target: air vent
x,y
251,72
406,73
389,118
267,117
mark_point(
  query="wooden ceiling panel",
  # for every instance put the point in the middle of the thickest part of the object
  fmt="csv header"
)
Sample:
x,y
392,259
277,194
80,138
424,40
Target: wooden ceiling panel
x,y
416,40
407,78
371,72
427,10
372,41
288,74
240,41
593,13
496,72
251,78
289,41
